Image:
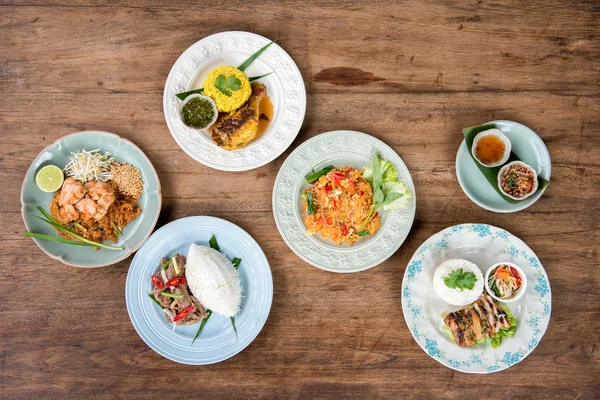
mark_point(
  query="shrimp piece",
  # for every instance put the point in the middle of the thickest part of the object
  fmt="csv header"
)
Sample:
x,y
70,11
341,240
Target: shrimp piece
x,y
102,193
72,191
67,214
88,209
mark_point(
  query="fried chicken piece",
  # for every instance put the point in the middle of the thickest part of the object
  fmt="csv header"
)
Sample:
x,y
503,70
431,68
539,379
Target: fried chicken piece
x,y
72,191
234,131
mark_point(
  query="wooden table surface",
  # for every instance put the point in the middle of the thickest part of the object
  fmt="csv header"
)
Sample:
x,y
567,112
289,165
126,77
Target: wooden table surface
x,y
410,74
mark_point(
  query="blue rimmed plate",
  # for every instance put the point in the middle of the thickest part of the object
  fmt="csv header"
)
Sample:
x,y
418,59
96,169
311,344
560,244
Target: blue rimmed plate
x,y
217,341
134,234
527,145
484,245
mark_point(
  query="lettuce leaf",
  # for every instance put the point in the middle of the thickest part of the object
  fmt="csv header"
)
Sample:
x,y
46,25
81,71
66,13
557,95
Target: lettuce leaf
x,y
504,332
395,195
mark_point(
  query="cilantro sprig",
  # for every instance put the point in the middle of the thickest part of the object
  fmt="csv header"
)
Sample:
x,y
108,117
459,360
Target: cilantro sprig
x,y
460,279
227,85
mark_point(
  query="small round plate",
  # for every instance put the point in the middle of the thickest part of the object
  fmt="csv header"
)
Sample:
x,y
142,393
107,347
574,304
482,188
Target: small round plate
x,y
484,245
285,87
134,234
218,341
527,145
338,148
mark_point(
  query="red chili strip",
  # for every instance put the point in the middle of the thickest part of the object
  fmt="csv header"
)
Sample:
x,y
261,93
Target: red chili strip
x,y
157,282
183,313
176,281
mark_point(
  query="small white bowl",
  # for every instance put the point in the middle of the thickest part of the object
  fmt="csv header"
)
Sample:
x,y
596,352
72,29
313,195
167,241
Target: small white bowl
x,y
521,163
500,135
211,101
521,291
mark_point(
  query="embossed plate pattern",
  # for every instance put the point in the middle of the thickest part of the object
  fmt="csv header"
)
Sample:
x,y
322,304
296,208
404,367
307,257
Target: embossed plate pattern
x,y
484,245
340,148
285,87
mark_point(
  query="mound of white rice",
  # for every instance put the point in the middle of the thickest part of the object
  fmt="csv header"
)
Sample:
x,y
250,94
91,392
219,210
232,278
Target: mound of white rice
x,y
457,297
213,280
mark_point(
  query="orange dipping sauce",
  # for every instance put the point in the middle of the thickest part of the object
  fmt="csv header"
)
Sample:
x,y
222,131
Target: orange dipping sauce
x,y
490,149
265,107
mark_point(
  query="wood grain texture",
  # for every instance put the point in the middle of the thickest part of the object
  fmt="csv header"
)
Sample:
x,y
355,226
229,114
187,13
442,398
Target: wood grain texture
x,y
417,73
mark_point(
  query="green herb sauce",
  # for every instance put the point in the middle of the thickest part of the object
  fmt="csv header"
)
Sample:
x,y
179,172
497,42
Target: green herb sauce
x,y
197,113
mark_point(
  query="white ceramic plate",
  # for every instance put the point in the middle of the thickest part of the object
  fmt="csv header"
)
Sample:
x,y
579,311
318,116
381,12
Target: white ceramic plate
x,y
218,341
285,87
527,145
484,245
338,148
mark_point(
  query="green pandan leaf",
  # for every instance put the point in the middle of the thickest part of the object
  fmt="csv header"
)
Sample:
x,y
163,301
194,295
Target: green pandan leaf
x,y
491,173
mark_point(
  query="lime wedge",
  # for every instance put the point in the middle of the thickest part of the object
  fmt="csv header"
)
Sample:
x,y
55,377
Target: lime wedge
x,y
50,178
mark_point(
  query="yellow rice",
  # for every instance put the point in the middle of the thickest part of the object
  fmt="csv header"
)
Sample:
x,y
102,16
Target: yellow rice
x,y
226,103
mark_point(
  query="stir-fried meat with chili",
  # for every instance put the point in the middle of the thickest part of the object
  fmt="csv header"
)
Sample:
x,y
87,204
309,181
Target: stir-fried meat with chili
x,y
171,291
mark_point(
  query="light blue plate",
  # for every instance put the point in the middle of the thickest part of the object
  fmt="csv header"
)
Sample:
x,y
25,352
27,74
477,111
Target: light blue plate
x,y
217,341
134,233
527,145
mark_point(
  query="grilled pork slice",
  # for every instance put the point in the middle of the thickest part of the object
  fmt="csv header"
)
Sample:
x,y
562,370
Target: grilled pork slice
x,y
484,318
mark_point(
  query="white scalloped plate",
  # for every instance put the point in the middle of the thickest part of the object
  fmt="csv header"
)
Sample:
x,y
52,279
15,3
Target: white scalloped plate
x,y
339,148
285,87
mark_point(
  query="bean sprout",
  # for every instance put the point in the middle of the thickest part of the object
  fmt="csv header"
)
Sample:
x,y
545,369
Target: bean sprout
x,y
90,165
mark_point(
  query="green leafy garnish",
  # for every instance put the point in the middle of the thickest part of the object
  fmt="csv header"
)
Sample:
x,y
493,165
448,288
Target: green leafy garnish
x,y
77,224
460,279
491,173
172,295
512,183
56,239
116,229
310,203
389,192
227,85
183,95
364,232
310,178
202,324
213,243
236,262
51,221
504,332
175,264
154,300
253,57
255,78
233,324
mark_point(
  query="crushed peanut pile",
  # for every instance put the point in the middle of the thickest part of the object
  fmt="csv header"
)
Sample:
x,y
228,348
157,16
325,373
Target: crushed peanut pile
x,y
128,178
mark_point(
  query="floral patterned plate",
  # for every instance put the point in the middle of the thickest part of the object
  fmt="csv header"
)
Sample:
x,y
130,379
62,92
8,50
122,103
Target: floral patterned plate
x,y
424,310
